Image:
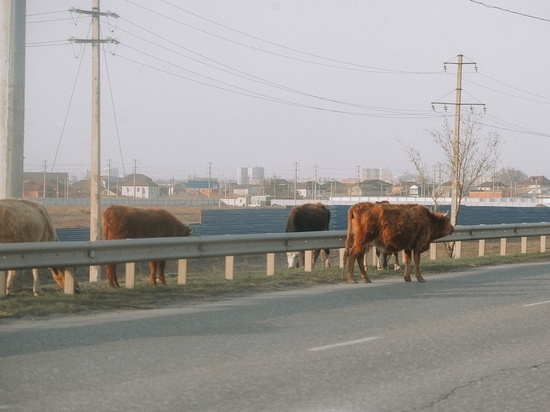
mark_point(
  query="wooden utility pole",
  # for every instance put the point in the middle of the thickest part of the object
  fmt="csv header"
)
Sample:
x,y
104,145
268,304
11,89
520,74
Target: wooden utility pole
x,y
455,190
12,96
456,180
95,178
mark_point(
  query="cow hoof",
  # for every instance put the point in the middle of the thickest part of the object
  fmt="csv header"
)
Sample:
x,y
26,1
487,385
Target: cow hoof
x,y
407,279
352,281
421,279
36,294
367,280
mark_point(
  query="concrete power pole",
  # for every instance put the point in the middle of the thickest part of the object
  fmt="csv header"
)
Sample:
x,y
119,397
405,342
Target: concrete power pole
x,y
12,96
95,179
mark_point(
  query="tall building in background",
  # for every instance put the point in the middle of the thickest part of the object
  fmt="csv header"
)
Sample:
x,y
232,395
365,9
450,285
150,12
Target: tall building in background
x,y
249,175
376,174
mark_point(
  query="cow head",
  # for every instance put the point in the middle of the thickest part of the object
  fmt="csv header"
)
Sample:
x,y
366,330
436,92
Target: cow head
x,y
293,259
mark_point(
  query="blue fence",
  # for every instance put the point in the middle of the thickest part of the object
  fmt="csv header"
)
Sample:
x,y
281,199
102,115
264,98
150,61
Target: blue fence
x,y
273,220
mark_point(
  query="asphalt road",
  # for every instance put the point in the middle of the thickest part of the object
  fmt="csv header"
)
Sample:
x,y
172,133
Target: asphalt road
x,y
475,341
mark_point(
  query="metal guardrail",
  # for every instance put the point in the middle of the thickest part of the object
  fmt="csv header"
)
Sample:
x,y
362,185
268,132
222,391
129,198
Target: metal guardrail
x,y
60,254
66,254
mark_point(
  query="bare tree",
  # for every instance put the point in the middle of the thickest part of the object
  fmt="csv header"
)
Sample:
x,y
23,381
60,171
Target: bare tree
x,y
477,155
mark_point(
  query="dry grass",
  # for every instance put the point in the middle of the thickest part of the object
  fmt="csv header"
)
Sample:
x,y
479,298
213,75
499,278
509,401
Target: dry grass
x,y
206,279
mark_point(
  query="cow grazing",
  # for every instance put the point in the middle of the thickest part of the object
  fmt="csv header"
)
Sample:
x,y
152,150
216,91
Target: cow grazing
x,y
25,221
391,228
124,222
310,217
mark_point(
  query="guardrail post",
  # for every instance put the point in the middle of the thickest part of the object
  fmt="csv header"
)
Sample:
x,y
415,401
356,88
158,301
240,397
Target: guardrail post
x,y
433,252
523,244
341,259
458,249
130,275
503,246
229,267
270,264
68,287
481,247
374,259
182,271
3,280
307,261
542,244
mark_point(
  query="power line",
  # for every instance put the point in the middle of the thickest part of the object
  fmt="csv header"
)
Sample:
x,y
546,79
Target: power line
x,y
509,11
353,66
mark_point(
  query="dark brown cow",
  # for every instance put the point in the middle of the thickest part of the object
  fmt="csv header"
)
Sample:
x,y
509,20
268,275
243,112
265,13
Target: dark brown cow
x,y
391,228
309,217
25,221
124,222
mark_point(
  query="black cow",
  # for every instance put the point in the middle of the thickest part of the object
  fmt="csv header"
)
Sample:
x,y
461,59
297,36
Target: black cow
x,y
310,217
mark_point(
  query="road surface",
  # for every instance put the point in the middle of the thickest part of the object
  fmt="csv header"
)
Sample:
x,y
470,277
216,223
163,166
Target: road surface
x,y
472,341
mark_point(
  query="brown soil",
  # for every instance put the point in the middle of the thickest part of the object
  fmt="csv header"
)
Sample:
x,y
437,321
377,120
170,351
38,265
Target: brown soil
x,y
79,216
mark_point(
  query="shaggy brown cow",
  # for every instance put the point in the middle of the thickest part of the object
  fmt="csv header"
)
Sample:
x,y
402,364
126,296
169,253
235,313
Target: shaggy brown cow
x,y
309,217
25,221
392,228
124,222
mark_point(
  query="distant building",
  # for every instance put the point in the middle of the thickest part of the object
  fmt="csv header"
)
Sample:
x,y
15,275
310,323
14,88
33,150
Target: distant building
x,y
249,174
138,186
385,175
43,184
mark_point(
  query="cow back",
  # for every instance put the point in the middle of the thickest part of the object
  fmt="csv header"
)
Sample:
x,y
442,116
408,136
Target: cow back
x,y
124,222
25,221
309,217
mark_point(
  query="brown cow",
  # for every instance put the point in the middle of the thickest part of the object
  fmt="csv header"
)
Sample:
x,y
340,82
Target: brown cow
x,y
25,221
309,217
124,222
392,228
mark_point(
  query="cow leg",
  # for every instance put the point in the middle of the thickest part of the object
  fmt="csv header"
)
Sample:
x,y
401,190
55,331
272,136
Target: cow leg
x,y
407,275
396,262
161,266
112,280
58,276
379,264
362,266
314,257
324,257
12,274
349,261
36,290
153,273
416,256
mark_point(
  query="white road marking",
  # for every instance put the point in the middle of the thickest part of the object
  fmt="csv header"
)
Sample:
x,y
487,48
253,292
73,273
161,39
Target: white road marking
x,y
351,342
537,303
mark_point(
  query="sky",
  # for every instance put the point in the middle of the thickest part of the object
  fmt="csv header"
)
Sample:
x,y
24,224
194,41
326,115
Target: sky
x,y
313,87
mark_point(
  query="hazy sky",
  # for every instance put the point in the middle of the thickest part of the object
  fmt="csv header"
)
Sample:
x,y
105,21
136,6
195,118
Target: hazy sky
x,y
331,85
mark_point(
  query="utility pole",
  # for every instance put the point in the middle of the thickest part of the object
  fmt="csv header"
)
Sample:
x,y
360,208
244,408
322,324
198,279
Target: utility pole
x,y
316,168
44,179
455,183
209,177
95,178
109,177
135,170
295,181
12,96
